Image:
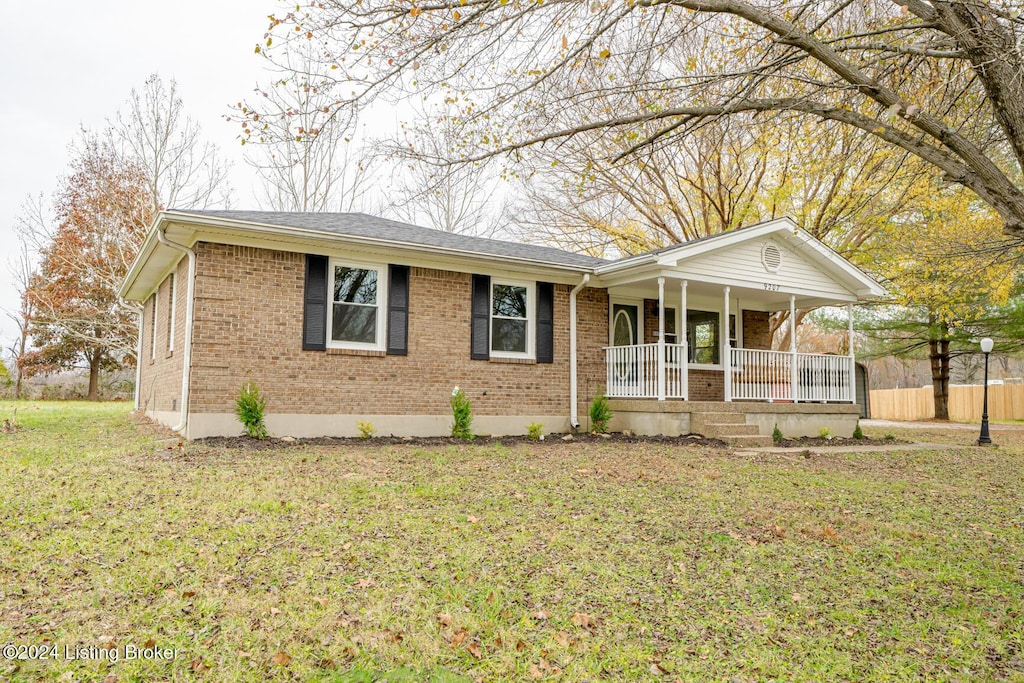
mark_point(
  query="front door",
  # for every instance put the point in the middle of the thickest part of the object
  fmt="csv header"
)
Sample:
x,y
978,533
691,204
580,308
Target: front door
x,y
625,328
625,332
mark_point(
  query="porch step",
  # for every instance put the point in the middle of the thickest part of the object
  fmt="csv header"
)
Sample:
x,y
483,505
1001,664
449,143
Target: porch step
x,y
722,431
729,427
718,418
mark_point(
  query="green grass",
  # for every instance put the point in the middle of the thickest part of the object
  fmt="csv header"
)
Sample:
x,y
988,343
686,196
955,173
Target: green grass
x,y
563,561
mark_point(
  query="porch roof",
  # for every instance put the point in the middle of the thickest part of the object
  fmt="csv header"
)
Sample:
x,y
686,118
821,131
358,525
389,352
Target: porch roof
x,y
764,264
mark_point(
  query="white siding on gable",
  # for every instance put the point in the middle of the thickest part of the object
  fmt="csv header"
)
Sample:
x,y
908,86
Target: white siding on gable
x,y
743,262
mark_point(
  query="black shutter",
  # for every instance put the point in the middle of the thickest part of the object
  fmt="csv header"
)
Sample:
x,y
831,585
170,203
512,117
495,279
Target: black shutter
x,y
545,322
314,325
398,310
480,338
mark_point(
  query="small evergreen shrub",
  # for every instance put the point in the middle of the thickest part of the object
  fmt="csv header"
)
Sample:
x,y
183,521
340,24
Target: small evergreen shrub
x,y
890,436
857,432
777,434
366,430
462,415
535,430
825,433
249,409
600,414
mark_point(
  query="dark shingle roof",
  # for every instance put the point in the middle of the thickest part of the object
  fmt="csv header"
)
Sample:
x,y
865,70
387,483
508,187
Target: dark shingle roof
x,y
363,225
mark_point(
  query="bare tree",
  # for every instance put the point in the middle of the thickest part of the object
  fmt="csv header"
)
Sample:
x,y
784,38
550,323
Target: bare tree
x,y
154,133
428,190
22,268
301,145
937,79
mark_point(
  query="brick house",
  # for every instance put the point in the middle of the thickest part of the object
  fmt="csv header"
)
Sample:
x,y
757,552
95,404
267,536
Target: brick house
x,y
341,318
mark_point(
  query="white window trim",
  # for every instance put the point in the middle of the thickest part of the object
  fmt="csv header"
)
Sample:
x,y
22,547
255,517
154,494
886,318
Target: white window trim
x,y
156,319
531,319
174,311
721,327
382,295
704,366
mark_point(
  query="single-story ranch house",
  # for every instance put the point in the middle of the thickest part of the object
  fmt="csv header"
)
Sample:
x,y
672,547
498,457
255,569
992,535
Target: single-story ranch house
x,y
343,318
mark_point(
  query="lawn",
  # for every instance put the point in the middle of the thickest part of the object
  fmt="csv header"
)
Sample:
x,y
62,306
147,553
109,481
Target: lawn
x,y
555,561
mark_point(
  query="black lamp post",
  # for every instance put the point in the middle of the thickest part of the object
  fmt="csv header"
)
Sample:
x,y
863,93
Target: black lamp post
x,y
984,439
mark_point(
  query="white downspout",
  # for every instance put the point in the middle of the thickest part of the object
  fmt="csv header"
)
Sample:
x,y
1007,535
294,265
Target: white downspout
x,y
137,310
574,413
186,360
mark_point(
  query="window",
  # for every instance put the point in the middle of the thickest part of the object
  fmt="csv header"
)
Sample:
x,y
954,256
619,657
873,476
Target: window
x,y
703,334
671,337
171,309
355,319
511,309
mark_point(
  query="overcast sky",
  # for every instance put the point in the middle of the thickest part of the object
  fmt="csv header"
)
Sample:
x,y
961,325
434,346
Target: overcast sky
x,y
65,64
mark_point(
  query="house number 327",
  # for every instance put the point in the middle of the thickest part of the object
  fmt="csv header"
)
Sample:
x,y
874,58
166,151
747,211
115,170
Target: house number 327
x,y
771,287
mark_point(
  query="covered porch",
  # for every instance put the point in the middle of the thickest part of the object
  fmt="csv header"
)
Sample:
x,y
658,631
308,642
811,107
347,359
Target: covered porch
x,y
691,322
661,364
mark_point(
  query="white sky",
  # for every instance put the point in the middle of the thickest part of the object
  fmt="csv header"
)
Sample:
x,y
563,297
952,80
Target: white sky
x,y
65,64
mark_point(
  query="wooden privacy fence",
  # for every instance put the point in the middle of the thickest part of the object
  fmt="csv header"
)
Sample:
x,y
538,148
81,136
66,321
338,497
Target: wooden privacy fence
x,y
1005,402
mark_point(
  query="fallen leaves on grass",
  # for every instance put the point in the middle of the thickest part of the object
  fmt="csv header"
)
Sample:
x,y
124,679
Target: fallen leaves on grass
x,y
584,620
281,659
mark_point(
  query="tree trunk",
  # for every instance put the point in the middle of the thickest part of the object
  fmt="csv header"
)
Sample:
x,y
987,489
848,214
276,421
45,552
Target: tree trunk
x,y
783,317
939,357
19,361
94,377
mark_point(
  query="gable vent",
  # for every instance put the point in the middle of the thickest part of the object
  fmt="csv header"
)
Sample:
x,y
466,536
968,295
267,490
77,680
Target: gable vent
x,y
771,257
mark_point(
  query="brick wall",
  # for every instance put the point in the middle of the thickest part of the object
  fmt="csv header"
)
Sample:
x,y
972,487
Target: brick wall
x,y
248,327
706,385
592,337
756,332
160,380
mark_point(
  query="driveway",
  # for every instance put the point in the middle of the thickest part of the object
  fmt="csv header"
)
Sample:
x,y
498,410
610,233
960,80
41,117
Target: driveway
x,y
942,425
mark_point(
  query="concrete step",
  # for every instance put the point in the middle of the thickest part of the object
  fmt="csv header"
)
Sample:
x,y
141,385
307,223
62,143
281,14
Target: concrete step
x,y
748,441
718,418
724,430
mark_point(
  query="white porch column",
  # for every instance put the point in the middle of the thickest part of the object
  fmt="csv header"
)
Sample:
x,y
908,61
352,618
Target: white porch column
x,y
793,375
684,361
726,350
661,339
853,361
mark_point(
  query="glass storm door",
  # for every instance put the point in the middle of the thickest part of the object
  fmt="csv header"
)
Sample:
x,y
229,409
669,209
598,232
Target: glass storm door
x,y
624,324
625,332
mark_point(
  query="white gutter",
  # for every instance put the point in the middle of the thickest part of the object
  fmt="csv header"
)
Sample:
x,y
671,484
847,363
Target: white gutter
x,y
574,414
137,310
186,360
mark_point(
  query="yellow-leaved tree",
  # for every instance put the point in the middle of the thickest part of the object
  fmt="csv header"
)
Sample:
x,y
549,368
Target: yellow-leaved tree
x,y
949,267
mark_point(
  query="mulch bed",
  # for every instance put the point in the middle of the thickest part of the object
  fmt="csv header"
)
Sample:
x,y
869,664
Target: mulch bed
x,y
818,441
693,440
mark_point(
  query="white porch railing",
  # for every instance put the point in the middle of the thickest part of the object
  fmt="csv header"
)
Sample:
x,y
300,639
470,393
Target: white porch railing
x,y
754,374
632,371
779,376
